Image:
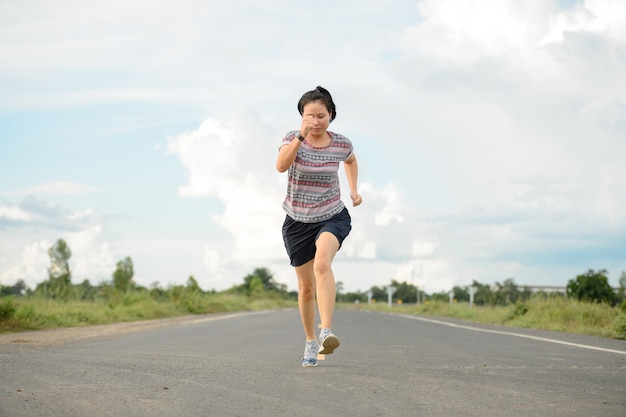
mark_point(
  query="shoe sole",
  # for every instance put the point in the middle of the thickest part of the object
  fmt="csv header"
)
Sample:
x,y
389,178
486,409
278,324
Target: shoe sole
x,y
309,365
329,345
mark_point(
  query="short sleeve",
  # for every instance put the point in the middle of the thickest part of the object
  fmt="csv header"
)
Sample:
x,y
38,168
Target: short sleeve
x,y
342,146
349,150
288,138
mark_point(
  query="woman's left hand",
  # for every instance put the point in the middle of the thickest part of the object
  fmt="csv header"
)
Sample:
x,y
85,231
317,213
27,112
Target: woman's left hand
x,y
356,199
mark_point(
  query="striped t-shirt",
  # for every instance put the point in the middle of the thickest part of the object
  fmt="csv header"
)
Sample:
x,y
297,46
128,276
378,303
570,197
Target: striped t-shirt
x,y
313,187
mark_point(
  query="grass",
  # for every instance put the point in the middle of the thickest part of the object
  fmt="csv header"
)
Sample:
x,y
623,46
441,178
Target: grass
x,y
37,314
556,314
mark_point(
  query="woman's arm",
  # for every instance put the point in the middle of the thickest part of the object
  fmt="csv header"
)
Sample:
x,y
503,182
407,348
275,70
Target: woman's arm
x,y
287,154
352,174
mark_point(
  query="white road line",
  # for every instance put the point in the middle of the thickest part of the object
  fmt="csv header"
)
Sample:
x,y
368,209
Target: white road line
x,y
525,336
227,316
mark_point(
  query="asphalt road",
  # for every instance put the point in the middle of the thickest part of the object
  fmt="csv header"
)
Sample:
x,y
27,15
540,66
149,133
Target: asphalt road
x,y
249,365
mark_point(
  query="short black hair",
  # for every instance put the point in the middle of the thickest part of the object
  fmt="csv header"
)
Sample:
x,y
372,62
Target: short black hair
x,y
322,95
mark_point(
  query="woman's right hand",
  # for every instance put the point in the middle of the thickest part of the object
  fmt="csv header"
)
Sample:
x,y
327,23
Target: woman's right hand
x,y
307,124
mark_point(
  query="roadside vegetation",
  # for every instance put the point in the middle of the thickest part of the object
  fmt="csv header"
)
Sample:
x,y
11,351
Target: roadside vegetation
x,y
588,306
57,302
36,313
555,313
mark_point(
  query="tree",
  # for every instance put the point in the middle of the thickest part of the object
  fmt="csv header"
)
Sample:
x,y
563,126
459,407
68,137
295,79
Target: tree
x,y
192,285
123,275
461,294
157,292
591,286
267,279
338,290
256,288
59,274
260,279
507,292
85,291
59,254
404,291
264,275
620,298
441,296
18,289
351,297
378,294
483,294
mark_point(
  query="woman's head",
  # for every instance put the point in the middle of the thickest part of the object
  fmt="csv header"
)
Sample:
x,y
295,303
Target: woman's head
x,y
319,94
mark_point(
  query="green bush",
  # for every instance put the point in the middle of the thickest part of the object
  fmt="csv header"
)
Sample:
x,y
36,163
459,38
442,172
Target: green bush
x,y
7,309
539,312
26,313
520,309
620,326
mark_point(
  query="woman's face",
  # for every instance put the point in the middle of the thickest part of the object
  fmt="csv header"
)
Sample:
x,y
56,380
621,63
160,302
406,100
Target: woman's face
x,y
318,113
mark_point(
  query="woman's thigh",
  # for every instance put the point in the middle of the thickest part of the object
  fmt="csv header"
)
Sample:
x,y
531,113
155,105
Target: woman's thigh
x,y
305,274
327,246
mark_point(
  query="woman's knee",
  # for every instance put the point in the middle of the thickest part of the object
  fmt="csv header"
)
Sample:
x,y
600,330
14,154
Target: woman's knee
x,y
322,268
306,292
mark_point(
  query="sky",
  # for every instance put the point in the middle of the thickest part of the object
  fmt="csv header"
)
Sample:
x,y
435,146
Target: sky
x,y
489,135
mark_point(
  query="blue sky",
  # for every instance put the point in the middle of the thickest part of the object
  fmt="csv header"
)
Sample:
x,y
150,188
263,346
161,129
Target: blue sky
x,y
489,136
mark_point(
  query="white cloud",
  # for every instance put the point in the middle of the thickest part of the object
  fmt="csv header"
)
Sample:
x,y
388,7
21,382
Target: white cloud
x,y
422,249
209,156
516,126
56,187
14,213
575,19
32,267
168,260
33,211
609,17
80,215
40,226
234,162
212,261
394,204
92,258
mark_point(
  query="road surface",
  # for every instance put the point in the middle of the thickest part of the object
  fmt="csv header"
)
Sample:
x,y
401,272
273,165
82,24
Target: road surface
x,y
248,364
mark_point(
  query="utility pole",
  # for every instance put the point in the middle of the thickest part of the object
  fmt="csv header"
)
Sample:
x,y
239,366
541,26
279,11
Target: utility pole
x,y
417,293
390,291
472,290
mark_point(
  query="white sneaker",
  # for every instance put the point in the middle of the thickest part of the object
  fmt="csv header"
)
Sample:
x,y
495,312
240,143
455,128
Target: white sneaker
x,y
310,353
329,342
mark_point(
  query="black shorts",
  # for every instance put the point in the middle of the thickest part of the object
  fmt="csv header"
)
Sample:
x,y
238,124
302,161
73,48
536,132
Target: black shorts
x,y
300,237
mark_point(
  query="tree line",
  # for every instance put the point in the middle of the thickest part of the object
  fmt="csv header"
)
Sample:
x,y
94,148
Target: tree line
x,y
591,286
258,284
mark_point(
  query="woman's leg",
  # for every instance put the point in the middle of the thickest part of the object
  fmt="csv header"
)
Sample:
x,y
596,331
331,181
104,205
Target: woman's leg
x,y
327,247
306,298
